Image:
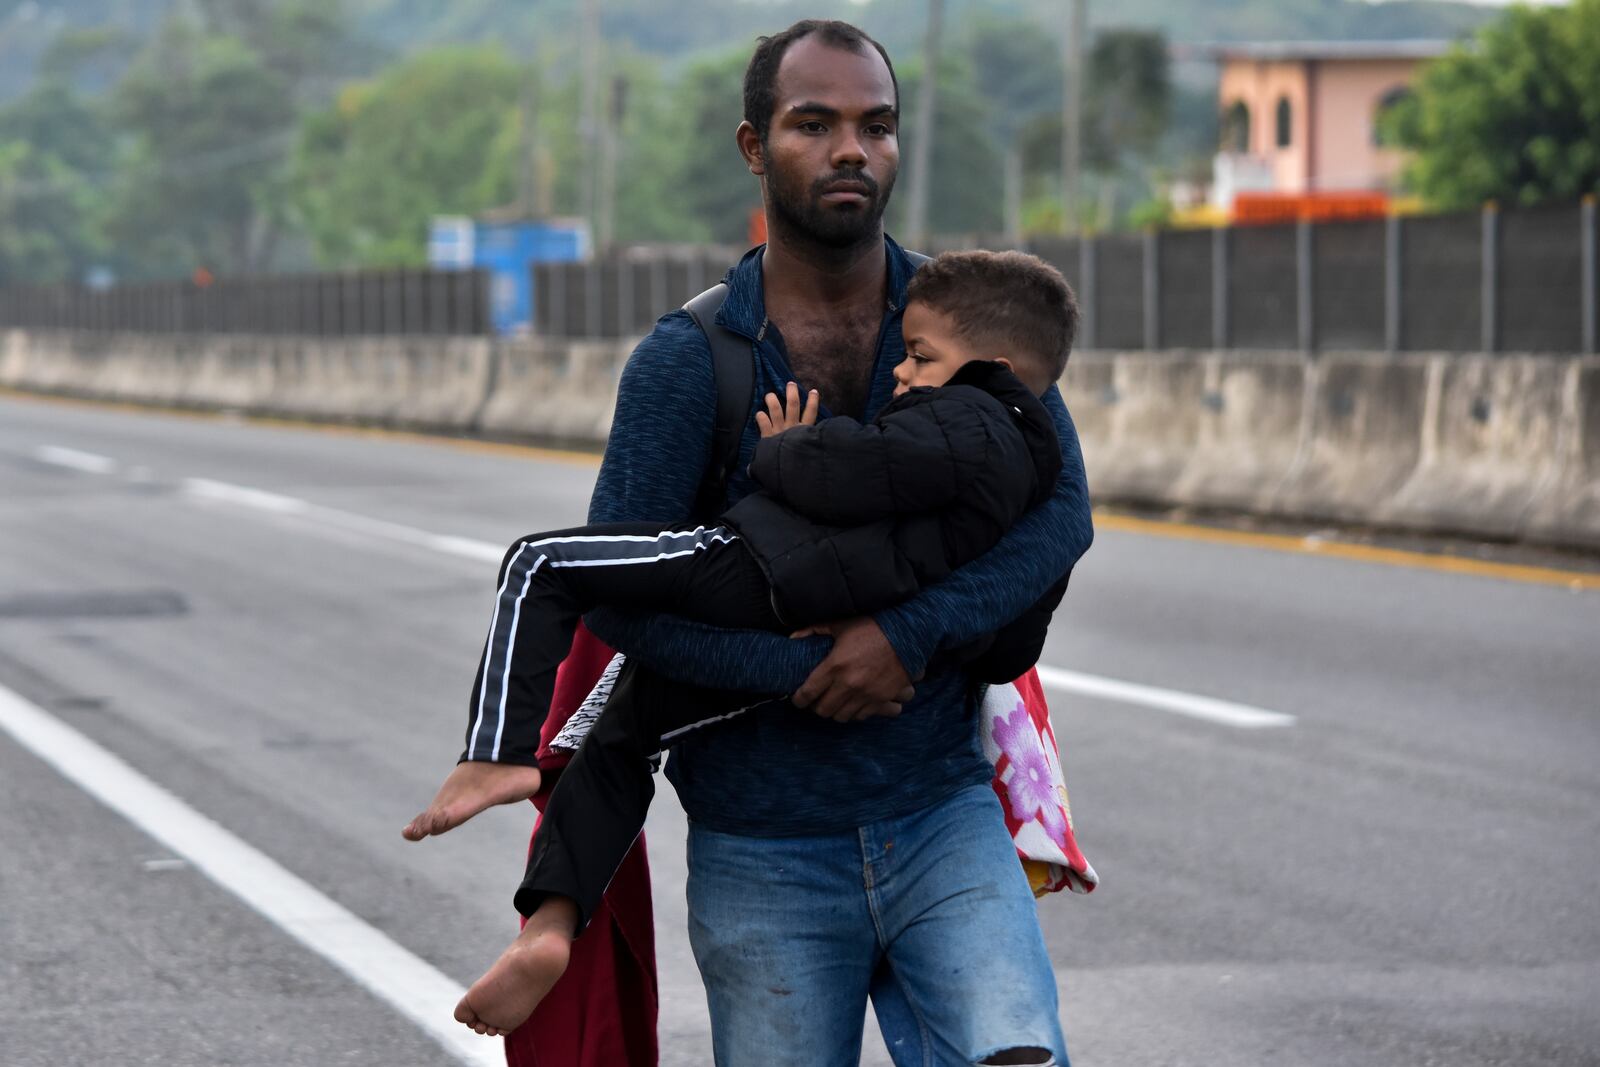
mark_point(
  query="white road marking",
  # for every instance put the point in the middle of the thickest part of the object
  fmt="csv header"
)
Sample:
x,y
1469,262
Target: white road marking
x,y
261,500
410,985
57,456
1210,709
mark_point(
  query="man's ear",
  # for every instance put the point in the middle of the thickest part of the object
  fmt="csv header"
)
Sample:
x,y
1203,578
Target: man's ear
x,y
750,148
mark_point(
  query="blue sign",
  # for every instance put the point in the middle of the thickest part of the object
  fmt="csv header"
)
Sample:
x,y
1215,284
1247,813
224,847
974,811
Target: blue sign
x,y
507,250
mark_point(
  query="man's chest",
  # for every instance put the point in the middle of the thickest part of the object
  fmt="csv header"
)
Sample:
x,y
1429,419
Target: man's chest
x,y
837,359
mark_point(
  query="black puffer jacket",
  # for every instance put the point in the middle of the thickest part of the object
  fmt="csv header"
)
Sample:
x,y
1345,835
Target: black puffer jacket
x,y
855,518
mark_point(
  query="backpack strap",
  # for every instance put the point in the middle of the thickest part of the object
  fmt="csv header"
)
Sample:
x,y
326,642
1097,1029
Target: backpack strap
x,y
733,368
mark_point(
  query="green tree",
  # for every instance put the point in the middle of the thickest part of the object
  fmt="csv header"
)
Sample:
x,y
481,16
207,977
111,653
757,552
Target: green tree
x,y
1514,117
47,219
1129,97
1127,114
710,176
1017,72
967,163
429,136
200,181
52,142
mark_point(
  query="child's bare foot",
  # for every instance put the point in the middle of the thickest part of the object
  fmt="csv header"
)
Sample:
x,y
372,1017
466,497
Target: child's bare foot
x,y
470,788
512,988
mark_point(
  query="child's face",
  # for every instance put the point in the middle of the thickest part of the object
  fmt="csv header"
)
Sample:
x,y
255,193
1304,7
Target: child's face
x,y
934,350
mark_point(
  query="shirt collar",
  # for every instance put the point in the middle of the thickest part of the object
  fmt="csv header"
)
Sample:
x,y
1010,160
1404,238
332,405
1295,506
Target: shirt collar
x,y
744,310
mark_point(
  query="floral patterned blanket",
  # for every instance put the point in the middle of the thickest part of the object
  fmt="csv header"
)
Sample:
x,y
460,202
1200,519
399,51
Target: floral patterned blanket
x,y
1019,741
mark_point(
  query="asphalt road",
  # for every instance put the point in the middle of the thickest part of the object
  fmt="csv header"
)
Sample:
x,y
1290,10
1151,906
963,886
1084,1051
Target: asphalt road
x,y
1403,875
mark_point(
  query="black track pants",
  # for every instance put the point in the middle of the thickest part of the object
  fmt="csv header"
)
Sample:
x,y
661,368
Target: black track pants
x,y
547,581
602,797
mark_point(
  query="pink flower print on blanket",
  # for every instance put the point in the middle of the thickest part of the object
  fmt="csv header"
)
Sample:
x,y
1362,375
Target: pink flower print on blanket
x,y
1032,775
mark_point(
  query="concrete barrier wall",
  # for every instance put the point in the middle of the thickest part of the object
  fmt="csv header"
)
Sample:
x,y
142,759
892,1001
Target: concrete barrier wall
x,y
1504,446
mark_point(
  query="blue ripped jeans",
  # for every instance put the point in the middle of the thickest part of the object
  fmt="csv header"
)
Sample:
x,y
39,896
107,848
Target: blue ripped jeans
x,y
928,914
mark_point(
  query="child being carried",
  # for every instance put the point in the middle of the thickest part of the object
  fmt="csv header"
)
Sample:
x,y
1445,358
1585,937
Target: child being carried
x,y
851,519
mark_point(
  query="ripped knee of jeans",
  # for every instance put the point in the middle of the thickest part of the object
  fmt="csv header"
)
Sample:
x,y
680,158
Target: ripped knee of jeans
x,y
1029,1056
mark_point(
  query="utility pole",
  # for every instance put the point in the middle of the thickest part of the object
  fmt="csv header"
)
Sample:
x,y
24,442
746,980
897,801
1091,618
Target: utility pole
x,y
527,140
922,145
589,108
1072,117
610,135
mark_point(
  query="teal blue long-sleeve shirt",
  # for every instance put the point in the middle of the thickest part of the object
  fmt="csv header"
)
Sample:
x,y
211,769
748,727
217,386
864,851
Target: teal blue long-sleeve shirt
x,y
783,771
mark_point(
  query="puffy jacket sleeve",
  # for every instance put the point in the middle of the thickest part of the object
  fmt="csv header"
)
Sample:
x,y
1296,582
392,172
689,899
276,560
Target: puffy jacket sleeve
x,y
913,460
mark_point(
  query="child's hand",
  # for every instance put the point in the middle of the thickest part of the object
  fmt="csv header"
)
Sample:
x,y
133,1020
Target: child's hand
x,y
781,415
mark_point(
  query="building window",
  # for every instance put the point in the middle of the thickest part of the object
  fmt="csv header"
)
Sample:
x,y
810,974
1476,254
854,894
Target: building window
x,y
1386,103
1236,128
1285,122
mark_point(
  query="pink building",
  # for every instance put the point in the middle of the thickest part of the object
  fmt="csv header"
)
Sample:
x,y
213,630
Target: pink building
x,y
1299,118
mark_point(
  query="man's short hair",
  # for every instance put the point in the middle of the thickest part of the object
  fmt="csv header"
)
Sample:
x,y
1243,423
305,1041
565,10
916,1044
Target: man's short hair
x,y
761,76
1006,304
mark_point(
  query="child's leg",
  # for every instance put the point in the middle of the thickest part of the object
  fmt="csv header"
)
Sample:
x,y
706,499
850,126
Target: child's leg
x,y
593,816
546,582
601,799
549,580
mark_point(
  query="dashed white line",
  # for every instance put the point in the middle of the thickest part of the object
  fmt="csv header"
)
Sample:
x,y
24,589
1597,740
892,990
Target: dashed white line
x,y
88,462
275,503
259,499
1176,701
1210,709
410,985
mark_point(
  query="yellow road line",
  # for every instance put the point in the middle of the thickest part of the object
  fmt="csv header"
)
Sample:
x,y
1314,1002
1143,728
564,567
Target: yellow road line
x,y
1104,520
1392,557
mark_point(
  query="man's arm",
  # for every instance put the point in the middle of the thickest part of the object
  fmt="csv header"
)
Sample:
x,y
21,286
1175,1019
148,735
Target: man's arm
x,y
655,459
1018,644
995,588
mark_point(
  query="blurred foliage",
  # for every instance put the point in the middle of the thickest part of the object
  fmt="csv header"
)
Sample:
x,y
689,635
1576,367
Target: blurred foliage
x,y
390,153
712,179
1515,117
205,122
153,136
1128,97
1150,214
1016,68
965,193
51,214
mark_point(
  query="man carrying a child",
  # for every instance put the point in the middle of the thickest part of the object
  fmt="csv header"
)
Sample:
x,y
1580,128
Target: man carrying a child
x,y
847,845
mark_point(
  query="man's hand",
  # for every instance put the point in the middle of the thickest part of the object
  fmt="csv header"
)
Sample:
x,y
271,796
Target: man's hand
x,y
862,677
786,414
470,788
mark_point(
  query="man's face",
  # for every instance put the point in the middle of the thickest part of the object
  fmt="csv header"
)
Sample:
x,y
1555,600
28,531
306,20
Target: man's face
x,y
833,150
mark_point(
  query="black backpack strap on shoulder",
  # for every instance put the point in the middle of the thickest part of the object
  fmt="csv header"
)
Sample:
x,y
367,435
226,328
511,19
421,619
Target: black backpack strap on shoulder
x,y
733,368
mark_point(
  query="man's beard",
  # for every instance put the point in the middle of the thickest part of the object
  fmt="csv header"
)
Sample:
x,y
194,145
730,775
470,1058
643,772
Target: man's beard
x,y
803,211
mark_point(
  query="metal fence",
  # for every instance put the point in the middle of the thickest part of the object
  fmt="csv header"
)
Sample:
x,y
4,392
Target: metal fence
x,y
622,295
1495,281
1489,281
348,303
